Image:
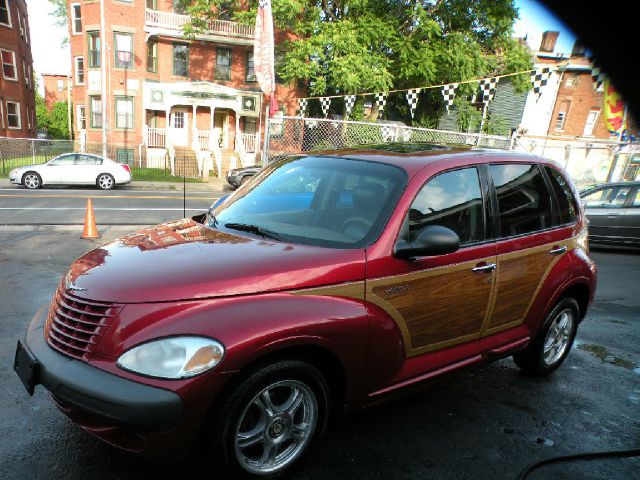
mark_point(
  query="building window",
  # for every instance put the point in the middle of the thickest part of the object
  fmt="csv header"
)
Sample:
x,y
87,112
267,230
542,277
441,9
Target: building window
x,y
179,7
5,17
250,73
60,85
94,49
573,80
152,56
1,113
181,60
561,120
152,4
95,112
13,115
81,117
279,58
124,112
76,18
223,64
9,64
125,155
123,43
28,112
25,72
79,64
592,119
20,22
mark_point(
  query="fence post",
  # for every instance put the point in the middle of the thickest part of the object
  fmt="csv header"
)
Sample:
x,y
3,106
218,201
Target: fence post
x,y
265,149
33,150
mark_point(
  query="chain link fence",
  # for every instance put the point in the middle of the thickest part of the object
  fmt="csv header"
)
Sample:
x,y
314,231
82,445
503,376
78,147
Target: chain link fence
x,y
292,135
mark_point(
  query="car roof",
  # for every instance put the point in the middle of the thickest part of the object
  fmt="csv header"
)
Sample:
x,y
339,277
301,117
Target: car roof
x,y
412,157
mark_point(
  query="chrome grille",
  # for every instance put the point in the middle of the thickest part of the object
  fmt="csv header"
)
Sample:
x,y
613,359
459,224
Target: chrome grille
x,y
74,325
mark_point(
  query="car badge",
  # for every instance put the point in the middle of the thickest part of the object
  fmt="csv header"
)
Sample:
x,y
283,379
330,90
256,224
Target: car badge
x,y
69,285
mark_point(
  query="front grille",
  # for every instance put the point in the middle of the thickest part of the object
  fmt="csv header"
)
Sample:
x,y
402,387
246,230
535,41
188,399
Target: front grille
x,y
74,325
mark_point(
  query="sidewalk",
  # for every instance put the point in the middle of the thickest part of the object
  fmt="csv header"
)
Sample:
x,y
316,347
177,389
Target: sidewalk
x,y
214,185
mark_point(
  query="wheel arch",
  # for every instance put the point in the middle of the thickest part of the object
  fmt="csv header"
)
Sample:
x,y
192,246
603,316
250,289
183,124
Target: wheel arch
x,y
321,357
27,173
581,293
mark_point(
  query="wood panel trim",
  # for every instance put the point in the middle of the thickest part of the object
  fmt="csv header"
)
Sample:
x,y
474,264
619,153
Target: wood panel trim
x,y
353,290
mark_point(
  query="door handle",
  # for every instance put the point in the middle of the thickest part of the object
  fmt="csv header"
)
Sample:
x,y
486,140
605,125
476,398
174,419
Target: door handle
x,y
558,250
483,268
612,215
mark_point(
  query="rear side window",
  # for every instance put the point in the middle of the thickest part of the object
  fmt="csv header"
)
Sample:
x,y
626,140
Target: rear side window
x,y
610,197
524,203
564,194
453,200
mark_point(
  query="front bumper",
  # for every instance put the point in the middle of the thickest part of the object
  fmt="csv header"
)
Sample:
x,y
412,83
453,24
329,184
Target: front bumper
x,y
15,180
82,388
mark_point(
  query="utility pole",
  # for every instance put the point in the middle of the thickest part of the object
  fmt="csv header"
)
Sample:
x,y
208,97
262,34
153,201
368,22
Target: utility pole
x,y
103,74
69,123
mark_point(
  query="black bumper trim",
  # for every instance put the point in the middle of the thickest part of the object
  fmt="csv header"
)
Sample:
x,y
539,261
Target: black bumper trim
x,y
81,385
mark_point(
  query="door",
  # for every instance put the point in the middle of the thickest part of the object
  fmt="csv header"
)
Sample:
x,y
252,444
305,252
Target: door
x,y
86,169
442,301
604,210
180,128
219,128
59,170
630,230
527,248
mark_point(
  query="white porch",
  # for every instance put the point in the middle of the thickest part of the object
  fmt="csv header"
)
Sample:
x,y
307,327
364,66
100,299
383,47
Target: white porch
x,y
215,125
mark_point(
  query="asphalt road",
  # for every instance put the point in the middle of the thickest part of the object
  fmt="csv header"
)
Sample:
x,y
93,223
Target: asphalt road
x,y
482,423
67,206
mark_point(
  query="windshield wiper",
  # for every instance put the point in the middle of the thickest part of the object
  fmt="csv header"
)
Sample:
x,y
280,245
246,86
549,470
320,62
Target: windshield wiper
x,y
245,227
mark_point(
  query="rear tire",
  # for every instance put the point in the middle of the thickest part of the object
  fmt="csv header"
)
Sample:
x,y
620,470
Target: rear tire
x,y
553,341
32,180
105,181
270,420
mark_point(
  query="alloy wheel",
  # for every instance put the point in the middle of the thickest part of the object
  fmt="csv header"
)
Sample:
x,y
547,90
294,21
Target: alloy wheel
x,y
31,180
275,427
558,337
105,182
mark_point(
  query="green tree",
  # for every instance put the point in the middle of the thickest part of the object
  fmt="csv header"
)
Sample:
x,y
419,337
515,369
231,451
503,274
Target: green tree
x,y
55,121
352,46
61,16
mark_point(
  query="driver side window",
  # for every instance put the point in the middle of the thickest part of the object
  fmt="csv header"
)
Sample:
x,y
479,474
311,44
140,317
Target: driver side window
x,y
453,200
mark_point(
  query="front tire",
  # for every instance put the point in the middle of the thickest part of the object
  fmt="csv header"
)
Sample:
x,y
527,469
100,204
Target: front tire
x,y
553,342
105,181
270,419
32,180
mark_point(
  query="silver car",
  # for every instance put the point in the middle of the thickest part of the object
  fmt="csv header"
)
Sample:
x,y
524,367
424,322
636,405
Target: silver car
x,y
613,211
73,169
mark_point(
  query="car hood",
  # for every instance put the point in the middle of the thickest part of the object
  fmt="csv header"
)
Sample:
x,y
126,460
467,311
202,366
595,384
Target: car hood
x,y
187,260
28,167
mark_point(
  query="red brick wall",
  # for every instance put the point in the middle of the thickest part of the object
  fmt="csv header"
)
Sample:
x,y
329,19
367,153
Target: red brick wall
x,y
577,88
18,90
51,93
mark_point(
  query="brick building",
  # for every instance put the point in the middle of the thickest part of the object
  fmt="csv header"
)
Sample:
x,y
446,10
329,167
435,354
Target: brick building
x,y
55,88
169,98
17,95
570,105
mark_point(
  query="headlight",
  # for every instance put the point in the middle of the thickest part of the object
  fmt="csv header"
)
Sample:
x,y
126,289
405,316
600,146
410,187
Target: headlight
x,y
173,357
13,172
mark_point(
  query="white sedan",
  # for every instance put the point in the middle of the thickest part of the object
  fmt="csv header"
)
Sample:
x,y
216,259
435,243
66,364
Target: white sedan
x,y
73,169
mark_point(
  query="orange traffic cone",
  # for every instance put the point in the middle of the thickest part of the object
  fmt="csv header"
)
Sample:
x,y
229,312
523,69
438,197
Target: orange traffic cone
x,y
90,229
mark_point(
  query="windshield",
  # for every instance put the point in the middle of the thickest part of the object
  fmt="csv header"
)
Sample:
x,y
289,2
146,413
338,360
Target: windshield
x,y
321,201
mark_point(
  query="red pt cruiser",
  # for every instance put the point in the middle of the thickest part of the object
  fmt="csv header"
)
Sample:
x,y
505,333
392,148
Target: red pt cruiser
x,y
327,283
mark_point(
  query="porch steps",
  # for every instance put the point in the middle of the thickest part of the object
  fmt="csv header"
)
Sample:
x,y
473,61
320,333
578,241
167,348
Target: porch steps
x,y
186,163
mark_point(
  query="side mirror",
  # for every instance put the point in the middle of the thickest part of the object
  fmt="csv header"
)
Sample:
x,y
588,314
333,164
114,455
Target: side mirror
x,y
431,240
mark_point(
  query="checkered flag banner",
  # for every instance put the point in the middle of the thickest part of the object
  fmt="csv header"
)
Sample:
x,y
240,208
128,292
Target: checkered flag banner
x,y
349,102
325,102
412,98
381,101
302,104
488,88
539,79
449,94
598,77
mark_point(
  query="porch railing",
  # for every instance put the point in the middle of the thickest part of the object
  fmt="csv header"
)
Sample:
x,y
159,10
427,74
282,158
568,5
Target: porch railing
x,y
204,139
175,22
249,142
156,137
